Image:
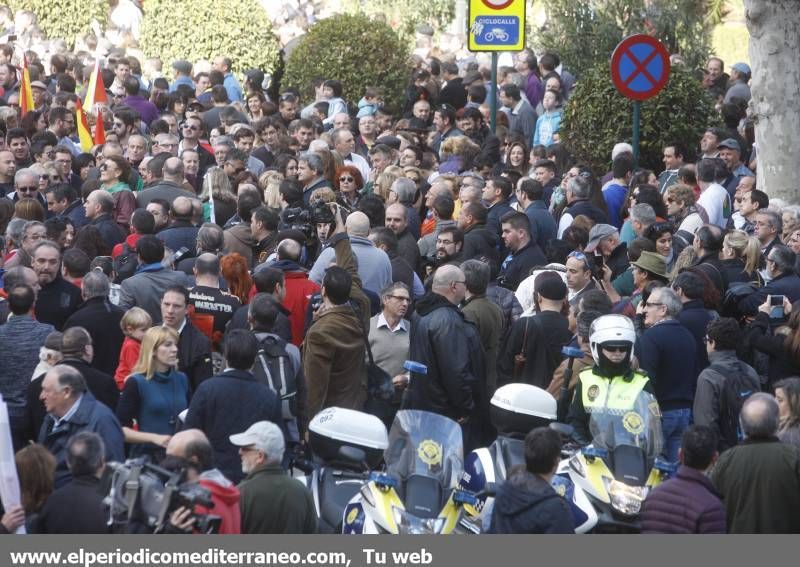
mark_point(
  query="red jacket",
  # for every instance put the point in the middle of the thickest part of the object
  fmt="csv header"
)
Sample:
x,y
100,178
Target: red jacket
x,y
299,290
130,241
226,502
128,356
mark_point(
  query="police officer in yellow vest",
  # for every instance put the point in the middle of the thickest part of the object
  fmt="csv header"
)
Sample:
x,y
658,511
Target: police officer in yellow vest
x,y
608,392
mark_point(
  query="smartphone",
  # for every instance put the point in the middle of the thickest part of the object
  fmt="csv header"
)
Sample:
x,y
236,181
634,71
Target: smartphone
x,y
599,261
776,307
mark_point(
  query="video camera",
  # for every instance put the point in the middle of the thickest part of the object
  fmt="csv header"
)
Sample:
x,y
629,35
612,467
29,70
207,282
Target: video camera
x,y
144,495
306,220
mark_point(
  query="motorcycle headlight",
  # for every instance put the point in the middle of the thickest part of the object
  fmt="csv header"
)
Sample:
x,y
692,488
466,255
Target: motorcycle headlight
x,y
625,499
412,525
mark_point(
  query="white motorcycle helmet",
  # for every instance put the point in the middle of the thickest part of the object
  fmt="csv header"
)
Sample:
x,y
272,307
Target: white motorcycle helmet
x,y
612,331
516,409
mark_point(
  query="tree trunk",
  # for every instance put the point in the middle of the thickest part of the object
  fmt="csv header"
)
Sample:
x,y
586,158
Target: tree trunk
x,y
774,27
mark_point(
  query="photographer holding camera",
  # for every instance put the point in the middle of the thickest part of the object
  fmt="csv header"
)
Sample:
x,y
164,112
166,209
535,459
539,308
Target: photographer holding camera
x,y
192,451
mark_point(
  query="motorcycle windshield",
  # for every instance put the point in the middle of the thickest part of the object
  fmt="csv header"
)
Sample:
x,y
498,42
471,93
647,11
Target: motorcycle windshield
x,y
639,427
426,444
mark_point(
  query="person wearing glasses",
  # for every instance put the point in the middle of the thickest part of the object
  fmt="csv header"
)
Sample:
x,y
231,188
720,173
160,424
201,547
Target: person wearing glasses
x,y
389,333
451,350
667,352
611,339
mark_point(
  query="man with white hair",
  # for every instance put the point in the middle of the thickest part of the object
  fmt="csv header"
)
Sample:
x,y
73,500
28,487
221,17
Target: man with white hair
x,y
345,145
374,266
272,502
450,348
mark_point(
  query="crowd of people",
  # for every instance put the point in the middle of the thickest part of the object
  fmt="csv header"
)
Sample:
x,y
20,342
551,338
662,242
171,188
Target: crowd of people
x,y
224,266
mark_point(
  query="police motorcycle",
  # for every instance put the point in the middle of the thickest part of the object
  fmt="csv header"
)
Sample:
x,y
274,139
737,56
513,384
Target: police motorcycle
x,y
346,445
418,492
515,409
620,466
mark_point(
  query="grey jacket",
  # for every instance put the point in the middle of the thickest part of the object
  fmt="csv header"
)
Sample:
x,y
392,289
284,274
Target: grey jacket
x,y
709,386
20,340
145,289
374,266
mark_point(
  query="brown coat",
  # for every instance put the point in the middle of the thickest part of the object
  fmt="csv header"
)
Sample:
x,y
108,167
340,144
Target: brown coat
x,y
239,239
334,350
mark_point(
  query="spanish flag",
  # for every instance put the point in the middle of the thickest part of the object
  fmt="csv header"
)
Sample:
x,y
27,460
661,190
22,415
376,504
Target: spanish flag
x,y
84,134
97,90
25,92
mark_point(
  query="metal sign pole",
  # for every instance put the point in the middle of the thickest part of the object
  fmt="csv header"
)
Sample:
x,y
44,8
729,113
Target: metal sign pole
x,y
637,105
493,95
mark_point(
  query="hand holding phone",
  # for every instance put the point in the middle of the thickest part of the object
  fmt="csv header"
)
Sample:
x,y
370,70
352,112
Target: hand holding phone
x,y
776,310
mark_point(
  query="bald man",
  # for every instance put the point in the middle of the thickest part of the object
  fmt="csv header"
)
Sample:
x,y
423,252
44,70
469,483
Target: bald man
x,y
169,187
374,267
299,288
396,218
193,446
180,232
206,296
451,349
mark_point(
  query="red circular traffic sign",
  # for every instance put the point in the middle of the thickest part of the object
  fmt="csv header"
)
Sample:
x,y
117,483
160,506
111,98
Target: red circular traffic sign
x,y
640,67
497,4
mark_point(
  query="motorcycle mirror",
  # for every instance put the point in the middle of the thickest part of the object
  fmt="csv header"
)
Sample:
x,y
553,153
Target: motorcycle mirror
x,y
352,454
572,352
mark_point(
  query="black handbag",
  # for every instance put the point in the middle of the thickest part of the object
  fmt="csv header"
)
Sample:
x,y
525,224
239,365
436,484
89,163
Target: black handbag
x,y
379,383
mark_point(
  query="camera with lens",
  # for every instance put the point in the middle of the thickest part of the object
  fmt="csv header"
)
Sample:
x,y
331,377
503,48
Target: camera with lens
x,y
298,218
144,495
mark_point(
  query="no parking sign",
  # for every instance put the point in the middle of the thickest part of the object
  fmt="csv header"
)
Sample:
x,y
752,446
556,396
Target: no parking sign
x,y
640,67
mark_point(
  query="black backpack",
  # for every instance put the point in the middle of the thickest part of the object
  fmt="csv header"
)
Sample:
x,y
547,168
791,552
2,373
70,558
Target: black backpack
x,y
126,263
274,368
736,388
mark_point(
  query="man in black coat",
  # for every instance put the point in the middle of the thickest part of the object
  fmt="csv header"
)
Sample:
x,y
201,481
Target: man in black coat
x,y
77,349
524,254
180,233
233,401
77,507
57,298
101,319
479,241
194,348
272,283
450,348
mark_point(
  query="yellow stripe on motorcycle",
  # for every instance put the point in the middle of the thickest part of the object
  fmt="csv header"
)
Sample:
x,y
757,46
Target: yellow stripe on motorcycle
x,y
385,500
450,513
596,469
656,477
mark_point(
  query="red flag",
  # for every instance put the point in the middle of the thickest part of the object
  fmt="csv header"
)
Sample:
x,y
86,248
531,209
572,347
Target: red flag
x,y
99,128
96,91
25,92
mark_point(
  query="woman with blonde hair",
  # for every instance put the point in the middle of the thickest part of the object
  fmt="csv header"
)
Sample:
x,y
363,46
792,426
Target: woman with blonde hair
x,y
154,394
384,181
270,183
217,187
739,258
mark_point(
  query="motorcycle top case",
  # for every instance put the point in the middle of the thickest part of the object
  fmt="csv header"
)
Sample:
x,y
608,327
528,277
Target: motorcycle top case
x,y
334,428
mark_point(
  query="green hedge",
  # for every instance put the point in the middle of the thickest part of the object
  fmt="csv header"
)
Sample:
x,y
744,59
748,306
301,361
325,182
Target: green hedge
x,y
355,50
597,117
203,29
64,19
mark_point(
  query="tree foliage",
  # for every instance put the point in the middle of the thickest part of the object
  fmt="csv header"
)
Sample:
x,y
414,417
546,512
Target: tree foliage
x,y
64,19
355,50
597,117
404,16
585,32
204,29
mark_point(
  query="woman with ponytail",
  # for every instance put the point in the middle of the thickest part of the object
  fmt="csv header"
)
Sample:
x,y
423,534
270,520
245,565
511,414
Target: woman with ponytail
x,y
740,257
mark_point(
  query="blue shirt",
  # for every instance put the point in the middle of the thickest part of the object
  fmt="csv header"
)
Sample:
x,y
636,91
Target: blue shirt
x,y
233,87
614,196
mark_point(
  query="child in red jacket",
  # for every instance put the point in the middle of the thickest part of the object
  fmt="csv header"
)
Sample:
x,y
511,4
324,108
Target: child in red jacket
x,y
134,324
